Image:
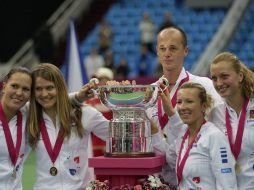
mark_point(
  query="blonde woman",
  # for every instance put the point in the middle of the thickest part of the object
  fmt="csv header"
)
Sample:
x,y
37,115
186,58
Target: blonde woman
x,y
235,116
201,154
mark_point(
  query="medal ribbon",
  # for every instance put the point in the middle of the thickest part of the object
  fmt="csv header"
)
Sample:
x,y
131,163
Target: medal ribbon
x,y
235,148
180,166
53,153
13,151
163,119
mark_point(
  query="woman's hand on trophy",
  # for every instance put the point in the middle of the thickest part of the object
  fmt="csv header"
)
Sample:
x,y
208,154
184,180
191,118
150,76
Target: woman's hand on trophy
x,y
166,102
86,92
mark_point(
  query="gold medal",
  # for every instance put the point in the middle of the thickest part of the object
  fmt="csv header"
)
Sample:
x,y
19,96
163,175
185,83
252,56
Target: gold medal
x,y
14,173
53,171
237,168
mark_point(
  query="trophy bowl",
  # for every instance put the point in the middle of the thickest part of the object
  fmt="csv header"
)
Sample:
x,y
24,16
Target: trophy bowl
x,y
128,96
129,132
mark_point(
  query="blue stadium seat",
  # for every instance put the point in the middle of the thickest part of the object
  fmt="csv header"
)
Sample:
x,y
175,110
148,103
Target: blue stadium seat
x,y
125,16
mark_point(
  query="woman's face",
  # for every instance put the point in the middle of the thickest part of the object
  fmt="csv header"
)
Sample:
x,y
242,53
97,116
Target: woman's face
x,y
189,106
45,93
225,80
16,91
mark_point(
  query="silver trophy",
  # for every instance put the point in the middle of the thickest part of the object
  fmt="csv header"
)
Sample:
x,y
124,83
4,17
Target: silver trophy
x,y
129,130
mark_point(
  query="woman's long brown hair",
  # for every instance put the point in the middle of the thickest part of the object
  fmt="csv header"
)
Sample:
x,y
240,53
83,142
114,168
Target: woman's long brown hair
x,y
69,115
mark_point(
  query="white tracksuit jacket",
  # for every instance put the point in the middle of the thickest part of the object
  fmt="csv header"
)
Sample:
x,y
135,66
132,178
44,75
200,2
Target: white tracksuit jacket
x,y
168,130
7,182
245,178
210,165
72,161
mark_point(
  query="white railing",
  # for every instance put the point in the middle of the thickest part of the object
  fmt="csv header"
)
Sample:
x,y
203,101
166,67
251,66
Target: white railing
x,y
222,37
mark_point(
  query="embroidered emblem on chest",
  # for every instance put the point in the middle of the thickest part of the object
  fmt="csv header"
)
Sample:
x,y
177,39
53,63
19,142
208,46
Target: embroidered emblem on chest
x,y
76,159
196,180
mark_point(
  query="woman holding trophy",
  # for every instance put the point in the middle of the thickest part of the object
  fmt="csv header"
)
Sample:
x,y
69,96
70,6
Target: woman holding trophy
x,y
59,132
201,154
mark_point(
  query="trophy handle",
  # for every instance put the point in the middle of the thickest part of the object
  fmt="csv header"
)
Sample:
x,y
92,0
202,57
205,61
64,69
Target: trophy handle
x,y
165,82
96,82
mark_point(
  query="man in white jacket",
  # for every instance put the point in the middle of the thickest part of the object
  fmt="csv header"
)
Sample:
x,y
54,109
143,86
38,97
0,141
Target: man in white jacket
x,y
171,49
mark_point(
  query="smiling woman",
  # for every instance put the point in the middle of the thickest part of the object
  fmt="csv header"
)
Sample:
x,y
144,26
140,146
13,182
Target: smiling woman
x,y
235,83
192,103
16,91
45,94
201,154
59,132
13,115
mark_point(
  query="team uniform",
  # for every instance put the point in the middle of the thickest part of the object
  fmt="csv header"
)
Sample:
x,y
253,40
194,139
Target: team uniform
x,y
210,164
72,161
10,176
245,160
157,113
98,144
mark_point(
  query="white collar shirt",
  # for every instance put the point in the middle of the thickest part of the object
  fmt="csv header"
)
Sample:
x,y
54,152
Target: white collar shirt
x,y
7,182
245,178
210,164
171,130
72,161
